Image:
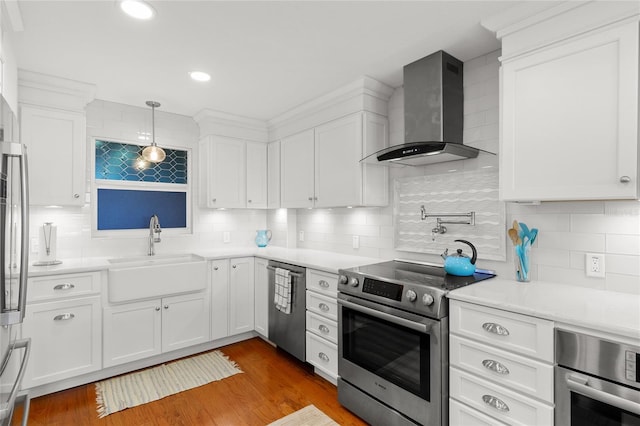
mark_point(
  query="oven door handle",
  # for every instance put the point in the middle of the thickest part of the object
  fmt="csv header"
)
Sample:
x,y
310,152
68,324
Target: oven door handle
x,y
581,385
423,328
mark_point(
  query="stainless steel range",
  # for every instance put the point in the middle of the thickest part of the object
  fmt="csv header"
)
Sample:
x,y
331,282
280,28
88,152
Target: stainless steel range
x,y
393,341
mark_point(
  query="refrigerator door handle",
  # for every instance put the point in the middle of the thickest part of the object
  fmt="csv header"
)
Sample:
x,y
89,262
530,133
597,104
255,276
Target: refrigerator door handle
x,y
24,234
7,410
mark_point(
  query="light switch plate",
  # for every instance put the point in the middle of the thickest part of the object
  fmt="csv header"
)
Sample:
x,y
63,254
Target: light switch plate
x,y
356,241
301,236
226,237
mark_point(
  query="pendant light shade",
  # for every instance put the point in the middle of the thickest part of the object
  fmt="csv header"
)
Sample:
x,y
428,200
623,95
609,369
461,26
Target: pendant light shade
x,y
153,152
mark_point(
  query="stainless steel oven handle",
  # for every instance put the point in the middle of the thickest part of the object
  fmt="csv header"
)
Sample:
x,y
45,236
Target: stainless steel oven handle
x,y
581,386
386,317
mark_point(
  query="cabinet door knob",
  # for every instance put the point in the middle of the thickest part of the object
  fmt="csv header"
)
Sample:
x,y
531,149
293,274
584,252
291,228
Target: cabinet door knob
x,y
215,268
64,317
625,179
310,198
315,198
248,201
76,195
213,200
157,308
166,306
234,266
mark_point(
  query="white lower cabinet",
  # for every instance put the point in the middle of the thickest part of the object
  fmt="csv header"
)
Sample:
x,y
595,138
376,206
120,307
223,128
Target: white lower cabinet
x,y
232,296
241,295
501,367
139,330
65,338
63,321
261,299
219,298
322,323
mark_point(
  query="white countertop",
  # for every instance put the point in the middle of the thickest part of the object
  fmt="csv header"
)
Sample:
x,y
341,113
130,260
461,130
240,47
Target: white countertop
x,y
568,305
322,260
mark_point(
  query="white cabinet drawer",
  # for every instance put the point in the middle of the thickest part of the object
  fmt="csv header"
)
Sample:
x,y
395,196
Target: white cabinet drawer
x,y
462,415
323,282
517,372
322,354
323,327
514,332
63,286
323,305
499,402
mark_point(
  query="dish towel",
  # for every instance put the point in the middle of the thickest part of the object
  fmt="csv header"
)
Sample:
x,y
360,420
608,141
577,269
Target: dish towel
x,y
282,296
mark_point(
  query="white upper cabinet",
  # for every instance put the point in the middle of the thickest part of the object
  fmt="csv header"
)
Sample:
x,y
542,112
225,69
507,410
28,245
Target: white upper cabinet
x,y
321,167
256,175
233,173
569,109
273,175
53,127
55,141
296,170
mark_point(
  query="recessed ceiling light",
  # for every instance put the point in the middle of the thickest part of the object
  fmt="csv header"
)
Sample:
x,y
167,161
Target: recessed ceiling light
x,y
138,9
199,76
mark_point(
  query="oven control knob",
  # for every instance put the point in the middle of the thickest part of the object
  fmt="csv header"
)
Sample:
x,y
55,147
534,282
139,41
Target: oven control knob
x,y
427,299
411,296
343,279
353,282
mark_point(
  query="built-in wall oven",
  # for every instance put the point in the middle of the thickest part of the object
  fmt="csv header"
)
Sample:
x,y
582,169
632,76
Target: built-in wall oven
x,y
393,342
597,381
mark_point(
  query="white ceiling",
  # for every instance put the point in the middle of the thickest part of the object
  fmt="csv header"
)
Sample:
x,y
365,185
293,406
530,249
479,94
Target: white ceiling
x,y
265,57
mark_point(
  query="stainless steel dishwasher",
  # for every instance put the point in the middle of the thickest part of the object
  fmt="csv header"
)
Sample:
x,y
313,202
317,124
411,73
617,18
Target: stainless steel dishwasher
x,y
287,331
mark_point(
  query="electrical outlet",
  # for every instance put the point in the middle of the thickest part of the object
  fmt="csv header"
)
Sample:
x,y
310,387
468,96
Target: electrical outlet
x,y
356,242
226,237
301,236
594,265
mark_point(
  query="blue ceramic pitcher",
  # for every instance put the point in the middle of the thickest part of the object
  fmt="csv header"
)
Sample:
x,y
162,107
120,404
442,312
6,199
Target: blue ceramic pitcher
x,y
263,237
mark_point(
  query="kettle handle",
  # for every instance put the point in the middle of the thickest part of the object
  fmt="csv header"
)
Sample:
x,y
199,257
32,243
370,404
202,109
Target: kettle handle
x,y
474,256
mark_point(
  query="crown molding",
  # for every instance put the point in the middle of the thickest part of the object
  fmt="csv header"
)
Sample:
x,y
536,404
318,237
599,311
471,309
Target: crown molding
x,y
52,91
212,122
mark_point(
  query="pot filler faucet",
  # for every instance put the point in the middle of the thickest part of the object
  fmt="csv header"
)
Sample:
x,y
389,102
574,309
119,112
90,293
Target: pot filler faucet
x,y
154,234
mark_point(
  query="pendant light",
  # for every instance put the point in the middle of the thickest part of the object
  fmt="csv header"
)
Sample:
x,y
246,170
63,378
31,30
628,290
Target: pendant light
x,y
153,152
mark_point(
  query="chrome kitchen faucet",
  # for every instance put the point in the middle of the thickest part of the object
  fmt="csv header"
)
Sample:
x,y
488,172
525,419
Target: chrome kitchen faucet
x,y
154,234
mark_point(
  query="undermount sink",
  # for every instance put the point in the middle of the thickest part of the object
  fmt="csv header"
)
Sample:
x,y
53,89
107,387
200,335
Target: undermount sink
x,y
146,277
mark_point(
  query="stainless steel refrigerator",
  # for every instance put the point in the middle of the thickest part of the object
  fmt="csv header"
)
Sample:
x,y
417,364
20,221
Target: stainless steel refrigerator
x,y
14,251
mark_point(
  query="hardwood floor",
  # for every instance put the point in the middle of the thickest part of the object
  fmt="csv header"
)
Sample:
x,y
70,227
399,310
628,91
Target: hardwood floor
x,y
273,385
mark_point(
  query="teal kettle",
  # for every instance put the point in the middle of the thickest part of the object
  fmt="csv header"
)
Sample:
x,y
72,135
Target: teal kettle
x,y
460,264
263,237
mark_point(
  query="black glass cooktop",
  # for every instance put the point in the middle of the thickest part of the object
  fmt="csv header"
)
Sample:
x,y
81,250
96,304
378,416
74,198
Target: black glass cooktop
x,y
403,272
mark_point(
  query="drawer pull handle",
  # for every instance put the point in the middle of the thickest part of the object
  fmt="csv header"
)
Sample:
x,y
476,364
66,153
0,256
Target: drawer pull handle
x,y
323,307
64,317
323,283
65,286
496,366
494,328
323,356
495,402
323,328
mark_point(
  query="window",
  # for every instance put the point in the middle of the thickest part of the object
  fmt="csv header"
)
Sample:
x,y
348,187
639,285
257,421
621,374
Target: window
x,y
129,190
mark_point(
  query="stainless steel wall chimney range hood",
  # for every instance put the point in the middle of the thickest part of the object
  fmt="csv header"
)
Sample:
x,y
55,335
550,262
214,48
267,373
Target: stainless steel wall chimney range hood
x,y
433,114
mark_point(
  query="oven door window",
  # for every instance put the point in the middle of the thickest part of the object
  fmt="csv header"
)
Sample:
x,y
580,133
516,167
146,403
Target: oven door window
x,y
587,411
392,352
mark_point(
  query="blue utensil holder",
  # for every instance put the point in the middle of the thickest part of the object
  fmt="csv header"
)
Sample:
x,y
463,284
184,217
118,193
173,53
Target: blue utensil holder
x,y
522,260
